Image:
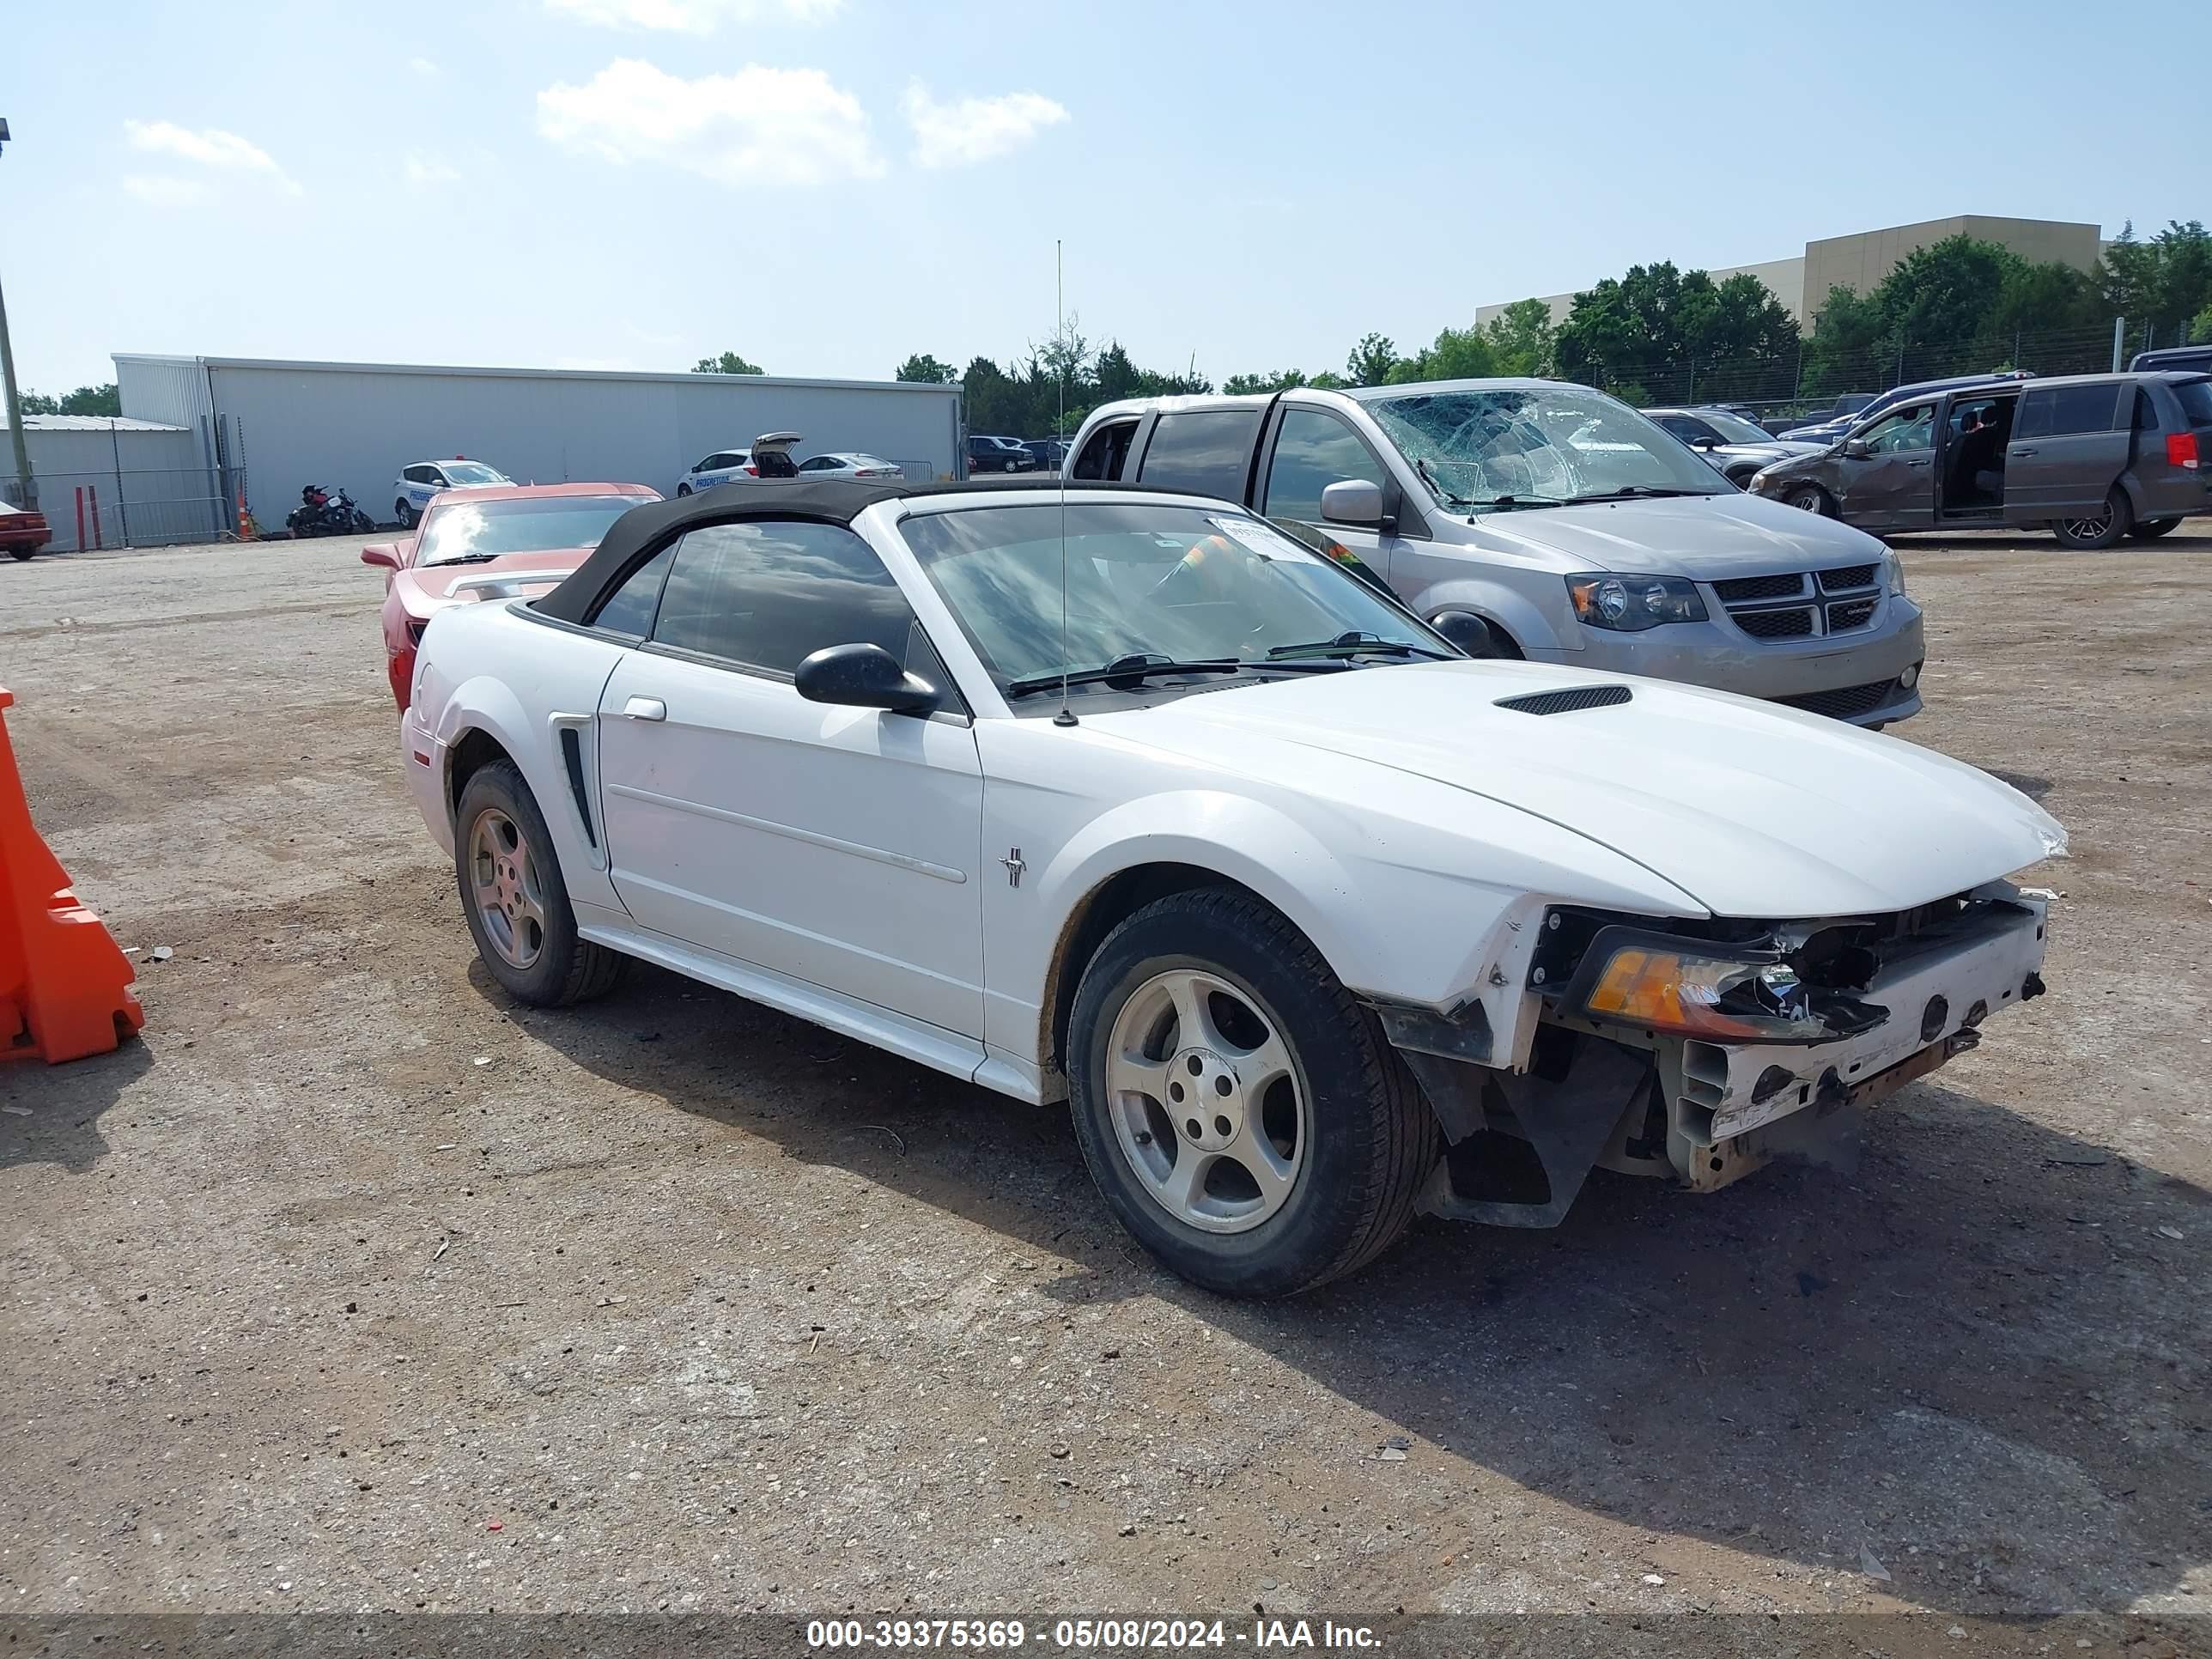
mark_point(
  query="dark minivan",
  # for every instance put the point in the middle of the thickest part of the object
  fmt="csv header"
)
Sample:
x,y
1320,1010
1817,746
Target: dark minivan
x,y
2091,457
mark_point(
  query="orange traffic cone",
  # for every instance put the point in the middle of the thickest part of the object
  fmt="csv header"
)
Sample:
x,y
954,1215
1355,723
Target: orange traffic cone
x,y
65,987
245,520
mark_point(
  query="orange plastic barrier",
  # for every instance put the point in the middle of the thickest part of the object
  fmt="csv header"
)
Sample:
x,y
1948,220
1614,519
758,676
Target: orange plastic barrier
x,y
65,987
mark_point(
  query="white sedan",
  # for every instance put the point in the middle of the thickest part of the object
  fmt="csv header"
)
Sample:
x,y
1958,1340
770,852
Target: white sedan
x,y
1129,799
849,464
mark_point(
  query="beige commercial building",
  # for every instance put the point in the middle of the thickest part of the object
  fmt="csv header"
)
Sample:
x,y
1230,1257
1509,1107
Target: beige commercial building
x,y
1862,259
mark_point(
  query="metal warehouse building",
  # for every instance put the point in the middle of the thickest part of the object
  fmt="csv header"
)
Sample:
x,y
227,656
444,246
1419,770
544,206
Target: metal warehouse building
x,y
108,484
270,428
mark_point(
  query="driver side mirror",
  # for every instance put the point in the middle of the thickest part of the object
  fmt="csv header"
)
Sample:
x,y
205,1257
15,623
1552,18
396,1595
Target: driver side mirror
x,y
381,553
863,676
1708,441
1858,449
1352,501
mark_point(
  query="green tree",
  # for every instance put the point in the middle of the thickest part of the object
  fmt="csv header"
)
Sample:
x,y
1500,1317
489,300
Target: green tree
x,y
2202,328
1679,332
1521,338
728,363
926,369
1238,386
1329,380
2163,282
1371,361
96,400
1458,354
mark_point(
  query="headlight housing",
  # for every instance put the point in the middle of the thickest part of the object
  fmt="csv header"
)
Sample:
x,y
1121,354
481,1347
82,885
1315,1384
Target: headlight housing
x,y
1718,993
1628,604
1892,570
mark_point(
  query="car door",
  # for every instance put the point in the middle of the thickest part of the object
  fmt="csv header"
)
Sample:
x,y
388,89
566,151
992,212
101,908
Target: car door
x,y
2069,447
837,846
1310,449
1886,477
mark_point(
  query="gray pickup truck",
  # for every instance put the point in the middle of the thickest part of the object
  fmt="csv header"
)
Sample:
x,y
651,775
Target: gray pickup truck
x,y
1534,519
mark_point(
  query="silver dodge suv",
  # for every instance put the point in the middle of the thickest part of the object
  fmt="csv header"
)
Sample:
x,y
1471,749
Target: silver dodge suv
x,y
1536,518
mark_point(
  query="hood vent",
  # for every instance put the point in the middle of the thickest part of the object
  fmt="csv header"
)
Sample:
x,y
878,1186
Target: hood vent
x,y
1565,702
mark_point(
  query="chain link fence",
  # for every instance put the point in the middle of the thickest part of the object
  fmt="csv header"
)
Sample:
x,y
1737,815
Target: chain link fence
x,y
131,507
1808,382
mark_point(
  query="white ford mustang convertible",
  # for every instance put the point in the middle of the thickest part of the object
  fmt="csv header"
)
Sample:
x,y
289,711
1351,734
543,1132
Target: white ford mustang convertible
x,y
1128,799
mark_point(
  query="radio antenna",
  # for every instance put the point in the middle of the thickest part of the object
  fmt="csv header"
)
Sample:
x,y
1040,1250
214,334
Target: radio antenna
x,y
1066,715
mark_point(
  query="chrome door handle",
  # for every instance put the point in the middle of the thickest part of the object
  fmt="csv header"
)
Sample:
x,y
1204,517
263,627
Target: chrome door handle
x,y
1916,463
2017,453
645,709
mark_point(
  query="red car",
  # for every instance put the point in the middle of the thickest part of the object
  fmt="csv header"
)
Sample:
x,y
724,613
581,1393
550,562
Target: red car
x,y
513,542
22,533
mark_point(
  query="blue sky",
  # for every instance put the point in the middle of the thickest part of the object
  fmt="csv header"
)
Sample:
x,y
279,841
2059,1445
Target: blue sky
x,y
826,186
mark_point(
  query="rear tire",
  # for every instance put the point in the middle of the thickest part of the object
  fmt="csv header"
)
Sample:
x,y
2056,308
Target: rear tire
x,y
21,553
1273,1066
2151,529
2094,533
406,514
516,904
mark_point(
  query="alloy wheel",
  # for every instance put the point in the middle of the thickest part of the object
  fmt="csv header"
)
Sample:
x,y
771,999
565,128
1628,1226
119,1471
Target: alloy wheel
x,y
508,894
1207,1100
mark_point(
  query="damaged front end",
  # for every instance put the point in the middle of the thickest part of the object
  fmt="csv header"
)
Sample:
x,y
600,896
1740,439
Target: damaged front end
x,y
1704,1049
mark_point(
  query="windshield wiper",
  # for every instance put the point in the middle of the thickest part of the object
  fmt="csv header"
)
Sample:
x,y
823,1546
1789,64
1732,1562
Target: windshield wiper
x,y
1512,500
464,558
1637,491
1355,645
1136,666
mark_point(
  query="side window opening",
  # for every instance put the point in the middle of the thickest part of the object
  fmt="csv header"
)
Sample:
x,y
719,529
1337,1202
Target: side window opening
x,y
1313,449
1208,451
1107,453
769,593
629,609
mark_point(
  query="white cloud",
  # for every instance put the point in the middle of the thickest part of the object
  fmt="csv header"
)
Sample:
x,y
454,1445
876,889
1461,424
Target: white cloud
x,y
975,129
423,169
209,146
757,127
692,16
425,68
162,189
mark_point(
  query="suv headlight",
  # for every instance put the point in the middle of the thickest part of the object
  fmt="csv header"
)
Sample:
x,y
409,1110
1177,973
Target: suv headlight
x,y
1892,570
1628,604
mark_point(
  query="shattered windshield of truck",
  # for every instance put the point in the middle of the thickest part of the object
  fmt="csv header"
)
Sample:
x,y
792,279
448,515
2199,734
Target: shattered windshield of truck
x,y
1537,447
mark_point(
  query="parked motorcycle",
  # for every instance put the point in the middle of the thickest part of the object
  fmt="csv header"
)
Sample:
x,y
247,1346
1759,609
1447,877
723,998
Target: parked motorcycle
x,y
327,512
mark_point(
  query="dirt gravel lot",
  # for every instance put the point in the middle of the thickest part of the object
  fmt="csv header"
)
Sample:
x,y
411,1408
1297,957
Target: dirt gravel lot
x,y
350,1260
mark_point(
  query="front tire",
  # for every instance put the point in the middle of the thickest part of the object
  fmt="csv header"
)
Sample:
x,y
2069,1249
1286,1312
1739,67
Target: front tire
x,y
2094,533
2151,529
682,490
1243,1114
1809,498
516,904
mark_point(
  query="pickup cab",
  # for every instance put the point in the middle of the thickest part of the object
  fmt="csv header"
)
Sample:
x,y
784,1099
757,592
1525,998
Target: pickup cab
x,y
1535,519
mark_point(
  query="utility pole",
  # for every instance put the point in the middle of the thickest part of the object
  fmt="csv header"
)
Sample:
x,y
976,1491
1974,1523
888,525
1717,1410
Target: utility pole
x,y
27,484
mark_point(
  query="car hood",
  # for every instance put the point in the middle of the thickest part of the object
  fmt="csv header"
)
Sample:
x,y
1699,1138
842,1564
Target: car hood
x,y
1753,810
425,588
1706,537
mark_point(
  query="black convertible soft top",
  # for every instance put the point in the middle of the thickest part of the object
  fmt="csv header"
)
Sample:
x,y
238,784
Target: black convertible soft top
x,y
641,531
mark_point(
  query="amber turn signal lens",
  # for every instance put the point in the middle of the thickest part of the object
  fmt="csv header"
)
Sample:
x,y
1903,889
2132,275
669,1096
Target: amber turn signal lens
x,y
1668,991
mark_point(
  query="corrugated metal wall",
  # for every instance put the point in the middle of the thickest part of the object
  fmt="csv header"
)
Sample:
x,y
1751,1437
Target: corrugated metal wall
x,y
172,389
135,488
354,426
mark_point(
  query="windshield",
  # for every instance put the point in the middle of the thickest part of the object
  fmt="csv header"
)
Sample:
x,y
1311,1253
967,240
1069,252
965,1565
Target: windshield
x,y
1538,445
1178,583
471,473
1733,428
461,530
